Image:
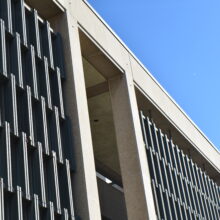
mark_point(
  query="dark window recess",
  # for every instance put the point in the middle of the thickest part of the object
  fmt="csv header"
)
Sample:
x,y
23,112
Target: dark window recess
x,y
105,218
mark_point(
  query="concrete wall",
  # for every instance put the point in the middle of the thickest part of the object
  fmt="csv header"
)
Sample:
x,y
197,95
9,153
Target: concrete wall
x,y
75,15
111,201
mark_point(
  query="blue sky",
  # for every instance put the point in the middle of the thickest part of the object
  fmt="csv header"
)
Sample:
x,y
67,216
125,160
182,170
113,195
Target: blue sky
x,y
179,43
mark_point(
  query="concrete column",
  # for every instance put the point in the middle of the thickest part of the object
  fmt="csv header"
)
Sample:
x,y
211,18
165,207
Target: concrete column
x,y
84,180
131,150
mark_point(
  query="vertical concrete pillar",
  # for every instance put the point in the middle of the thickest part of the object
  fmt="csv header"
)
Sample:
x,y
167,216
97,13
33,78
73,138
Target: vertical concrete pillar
x,y
84,180
131,150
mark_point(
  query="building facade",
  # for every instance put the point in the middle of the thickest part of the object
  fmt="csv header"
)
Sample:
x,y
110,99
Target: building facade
x,y
86,132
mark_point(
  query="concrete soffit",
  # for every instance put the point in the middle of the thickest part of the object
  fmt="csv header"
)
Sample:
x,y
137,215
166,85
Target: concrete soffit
x,y
94,53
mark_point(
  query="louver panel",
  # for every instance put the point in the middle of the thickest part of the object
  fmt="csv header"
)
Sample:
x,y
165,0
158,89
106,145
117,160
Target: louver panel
x,y
181,189
36,150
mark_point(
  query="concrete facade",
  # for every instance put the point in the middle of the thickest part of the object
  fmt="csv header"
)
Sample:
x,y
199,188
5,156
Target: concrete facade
x,y
121,65
104,89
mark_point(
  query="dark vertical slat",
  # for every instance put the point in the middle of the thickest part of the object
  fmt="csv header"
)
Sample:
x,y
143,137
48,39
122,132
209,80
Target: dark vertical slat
x,y
152,165
47,83
56,183
184,165
160,140
185,184
10,99
156,199
204,206
180,180
184,211
36,208
2,106
211,205
192,172
3,59
148,128
205,185
176,184
158,170
142,118
70,193
42,178
208,208
47,78
25,165
201,180
8,157
208,186
213,210
6,15
192,196
67,140
19,203
167,205
181,155
218,187
16,65
170,178
178,155
65,214
188,168
35,33
215,193
60,93
179,210
189,213
172,153
58,135
167,149
155,139
201,203
30,117
173,207
217,210
2,208
20,20
33,72
160,202
198,196
14,105
51,211
164,173
47,43
198,208
58,53
198,184
45,128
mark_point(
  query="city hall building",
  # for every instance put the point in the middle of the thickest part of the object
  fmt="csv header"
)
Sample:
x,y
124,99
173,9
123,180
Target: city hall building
x,y
86,132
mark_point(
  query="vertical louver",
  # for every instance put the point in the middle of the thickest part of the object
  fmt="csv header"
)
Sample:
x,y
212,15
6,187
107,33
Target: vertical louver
x,y
181,189
36,158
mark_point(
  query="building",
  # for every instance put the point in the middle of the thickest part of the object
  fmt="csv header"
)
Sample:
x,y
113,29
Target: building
x,y
86,131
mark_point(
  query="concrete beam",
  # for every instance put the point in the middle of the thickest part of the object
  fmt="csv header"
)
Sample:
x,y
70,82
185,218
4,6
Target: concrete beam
x,y
97,89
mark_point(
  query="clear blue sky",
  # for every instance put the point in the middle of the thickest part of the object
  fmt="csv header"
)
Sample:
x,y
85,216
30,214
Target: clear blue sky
x,y
179,43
